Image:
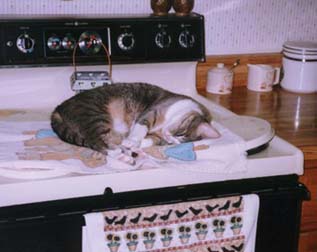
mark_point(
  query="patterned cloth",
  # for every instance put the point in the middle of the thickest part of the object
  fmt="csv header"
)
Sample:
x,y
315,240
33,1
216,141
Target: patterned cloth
x,y
29,149
214,225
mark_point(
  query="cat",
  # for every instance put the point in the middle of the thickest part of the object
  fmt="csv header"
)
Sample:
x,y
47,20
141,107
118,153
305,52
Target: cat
x,y
124,116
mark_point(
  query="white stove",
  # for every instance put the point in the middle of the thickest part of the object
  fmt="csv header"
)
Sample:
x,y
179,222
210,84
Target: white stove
x,y
37,89
25,88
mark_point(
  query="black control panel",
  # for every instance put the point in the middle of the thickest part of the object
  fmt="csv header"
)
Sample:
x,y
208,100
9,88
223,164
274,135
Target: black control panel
x,y
46,42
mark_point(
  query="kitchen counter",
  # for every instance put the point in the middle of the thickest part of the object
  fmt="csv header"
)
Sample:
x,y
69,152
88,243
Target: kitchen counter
x,y
293,116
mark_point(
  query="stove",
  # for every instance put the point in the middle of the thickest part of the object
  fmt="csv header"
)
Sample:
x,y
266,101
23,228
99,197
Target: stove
x,y
36,65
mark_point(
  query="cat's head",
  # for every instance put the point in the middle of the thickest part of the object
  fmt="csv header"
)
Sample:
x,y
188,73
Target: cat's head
x,y
193,126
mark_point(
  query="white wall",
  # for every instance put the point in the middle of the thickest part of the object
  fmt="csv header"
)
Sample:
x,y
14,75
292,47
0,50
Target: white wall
x,y
232,26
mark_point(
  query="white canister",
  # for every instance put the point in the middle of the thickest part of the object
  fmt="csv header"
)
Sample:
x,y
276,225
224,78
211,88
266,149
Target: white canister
x,y
219,80
300,66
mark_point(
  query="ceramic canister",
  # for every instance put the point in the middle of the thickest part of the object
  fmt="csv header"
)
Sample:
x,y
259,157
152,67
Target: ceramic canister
x,y
219,80
300,66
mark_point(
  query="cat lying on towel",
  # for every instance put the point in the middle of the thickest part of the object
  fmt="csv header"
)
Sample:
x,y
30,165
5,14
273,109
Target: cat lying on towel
x,y
117,119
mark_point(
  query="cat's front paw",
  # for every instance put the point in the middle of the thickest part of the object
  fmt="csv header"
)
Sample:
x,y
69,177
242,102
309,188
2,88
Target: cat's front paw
x,y
130,143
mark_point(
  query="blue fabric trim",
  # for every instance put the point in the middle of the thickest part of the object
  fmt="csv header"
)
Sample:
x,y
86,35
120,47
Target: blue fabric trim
x,y
184,151
42,133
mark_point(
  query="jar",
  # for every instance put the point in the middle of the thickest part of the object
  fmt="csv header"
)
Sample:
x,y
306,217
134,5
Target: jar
x,y
219,80
183,7
161,7
300,66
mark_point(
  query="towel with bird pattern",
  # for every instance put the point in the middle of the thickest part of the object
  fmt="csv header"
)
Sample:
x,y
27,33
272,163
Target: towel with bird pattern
x,y
213,225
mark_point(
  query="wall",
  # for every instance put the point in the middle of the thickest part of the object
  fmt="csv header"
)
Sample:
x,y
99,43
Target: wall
x,y
232,26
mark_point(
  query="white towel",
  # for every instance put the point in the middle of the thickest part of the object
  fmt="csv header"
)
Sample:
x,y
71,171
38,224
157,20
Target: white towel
x,y
21,158
226,154
233,227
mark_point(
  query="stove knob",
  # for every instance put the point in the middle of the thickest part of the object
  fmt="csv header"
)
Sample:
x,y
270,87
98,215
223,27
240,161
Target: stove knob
x,y
90,42
25,43
126,41
69,42
163,39
186,39
54,43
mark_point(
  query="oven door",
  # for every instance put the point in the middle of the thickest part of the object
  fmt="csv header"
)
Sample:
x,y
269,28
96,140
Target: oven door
x,y
57,225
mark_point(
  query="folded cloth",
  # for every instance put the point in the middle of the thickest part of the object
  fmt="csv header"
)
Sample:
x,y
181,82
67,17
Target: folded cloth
x,y
222,224
31,150
226,154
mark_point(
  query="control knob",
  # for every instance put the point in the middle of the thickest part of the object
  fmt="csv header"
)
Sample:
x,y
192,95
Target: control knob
x,y
90,42
186,39
163,39
126,41
25,43
54,43
69,42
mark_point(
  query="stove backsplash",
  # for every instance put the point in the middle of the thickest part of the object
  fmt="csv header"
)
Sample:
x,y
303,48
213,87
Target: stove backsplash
x,y
135,39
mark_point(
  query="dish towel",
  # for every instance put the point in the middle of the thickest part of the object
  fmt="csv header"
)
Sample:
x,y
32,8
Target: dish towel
x,y
31,150
213,225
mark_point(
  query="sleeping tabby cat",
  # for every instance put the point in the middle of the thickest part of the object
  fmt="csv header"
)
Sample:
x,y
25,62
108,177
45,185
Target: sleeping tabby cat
x,y
127,115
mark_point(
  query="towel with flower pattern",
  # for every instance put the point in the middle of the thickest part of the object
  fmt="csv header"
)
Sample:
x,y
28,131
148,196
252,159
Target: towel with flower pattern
x,y
214,225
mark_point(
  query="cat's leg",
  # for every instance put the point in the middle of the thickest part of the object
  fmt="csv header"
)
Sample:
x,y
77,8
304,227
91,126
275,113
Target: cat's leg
x,y
136,135
169,138
141,129
151,140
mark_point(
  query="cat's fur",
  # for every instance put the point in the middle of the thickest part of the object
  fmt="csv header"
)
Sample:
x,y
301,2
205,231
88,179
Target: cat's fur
x,y
130,114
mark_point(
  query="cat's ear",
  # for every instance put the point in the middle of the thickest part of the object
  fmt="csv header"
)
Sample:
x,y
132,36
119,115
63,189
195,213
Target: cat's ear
x,y
206,131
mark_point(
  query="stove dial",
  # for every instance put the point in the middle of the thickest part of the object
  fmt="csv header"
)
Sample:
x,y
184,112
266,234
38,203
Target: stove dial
x,y
69,42
25,43
186,39
90,42
126,41
163,39
54,43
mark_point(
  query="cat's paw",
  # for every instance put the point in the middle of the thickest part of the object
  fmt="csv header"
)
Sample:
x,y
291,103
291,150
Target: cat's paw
x,y
169,138
130,143
126,159
146,142
123,154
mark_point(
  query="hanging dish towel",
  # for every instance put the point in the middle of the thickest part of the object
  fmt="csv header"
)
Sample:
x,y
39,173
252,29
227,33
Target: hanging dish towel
x,y
214,225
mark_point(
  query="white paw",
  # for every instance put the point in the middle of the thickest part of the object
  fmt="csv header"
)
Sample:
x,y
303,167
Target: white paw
x,y
146,142
169,138
129,143
126,159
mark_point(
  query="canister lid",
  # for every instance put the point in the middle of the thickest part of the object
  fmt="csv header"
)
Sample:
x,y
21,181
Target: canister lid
x,y
304,46
302,50
220,69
